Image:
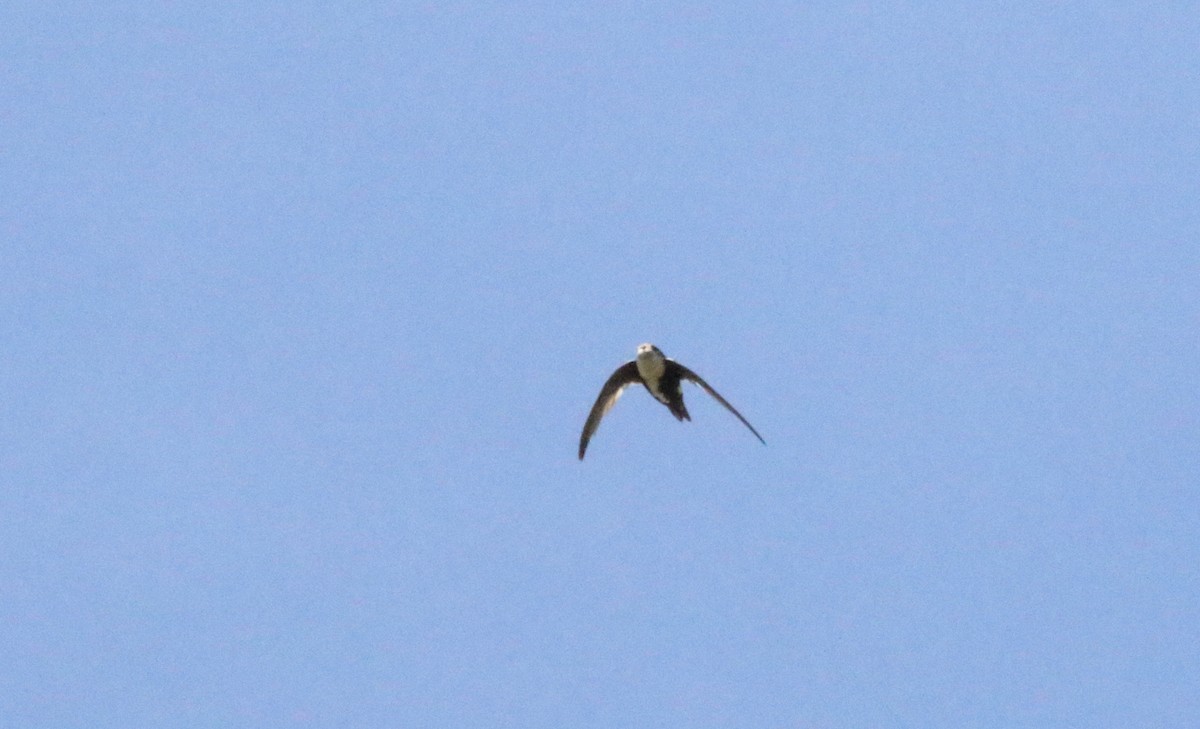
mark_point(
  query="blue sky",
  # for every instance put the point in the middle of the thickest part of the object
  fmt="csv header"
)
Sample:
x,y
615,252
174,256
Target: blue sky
x,y
304,307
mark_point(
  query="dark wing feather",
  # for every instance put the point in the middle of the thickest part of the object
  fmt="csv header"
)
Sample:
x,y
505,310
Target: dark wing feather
x,y
626,375
689,375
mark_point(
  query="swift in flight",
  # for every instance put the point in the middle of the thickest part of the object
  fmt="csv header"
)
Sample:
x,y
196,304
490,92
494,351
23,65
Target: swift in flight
x,y
661,377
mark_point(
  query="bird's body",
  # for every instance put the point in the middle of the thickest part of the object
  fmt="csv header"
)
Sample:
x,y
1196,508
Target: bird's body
x,y
652,368
662,378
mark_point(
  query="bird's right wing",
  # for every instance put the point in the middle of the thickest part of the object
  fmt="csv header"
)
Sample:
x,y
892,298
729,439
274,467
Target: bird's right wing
x,y
689,375
626,375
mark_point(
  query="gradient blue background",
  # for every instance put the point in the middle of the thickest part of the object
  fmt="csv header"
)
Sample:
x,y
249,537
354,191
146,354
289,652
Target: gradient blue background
x,y
303,308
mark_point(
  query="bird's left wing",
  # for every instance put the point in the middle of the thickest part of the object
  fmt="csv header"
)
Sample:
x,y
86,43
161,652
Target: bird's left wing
x,y
689,375
626,375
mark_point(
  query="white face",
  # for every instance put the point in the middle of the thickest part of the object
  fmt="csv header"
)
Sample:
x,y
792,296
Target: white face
x,y
648,351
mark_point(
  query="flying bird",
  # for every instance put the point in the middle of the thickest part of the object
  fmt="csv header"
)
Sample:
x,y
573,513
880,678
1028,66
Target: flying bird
x,y
661,377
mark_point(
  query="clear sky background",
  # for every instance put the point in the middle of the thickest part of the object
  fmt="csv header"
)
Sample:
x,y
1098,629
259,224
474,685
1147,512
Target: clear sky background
x,y
303,307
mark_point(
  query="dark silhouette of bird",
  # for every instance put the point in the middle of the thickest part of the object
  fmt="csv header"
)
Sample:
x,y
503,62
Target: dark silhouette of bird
x,y
662,378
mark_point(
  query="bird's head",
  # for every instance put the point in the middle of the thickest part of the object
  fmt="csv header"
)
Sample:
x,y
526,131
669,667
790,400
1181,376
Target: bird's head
x,y
648,351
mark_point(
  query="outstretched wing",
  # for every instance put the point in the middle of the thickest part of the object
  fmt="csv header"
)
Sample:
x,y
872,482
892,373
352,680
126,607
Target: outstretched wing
x,y
687,374
626,375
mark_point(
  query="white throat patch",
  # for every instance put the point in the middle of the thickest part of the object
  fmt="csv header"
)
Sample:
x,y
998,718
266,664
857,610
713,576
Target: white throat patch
x,y
651,364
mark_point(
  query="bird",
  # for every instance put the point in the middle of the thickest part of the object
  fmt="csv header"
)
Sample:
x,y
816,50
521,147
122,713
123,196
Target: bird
x,y
661,377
